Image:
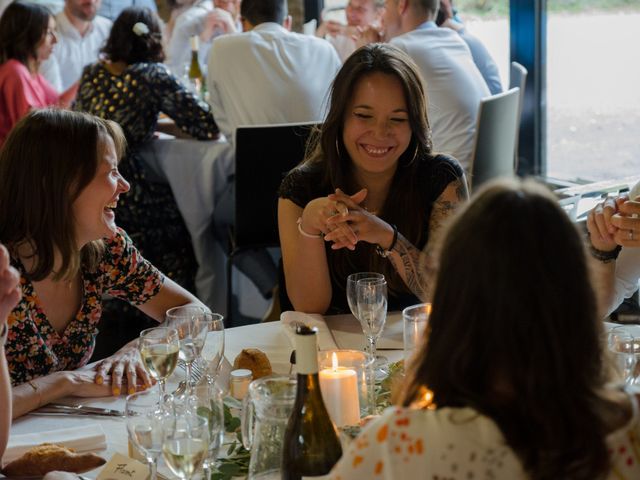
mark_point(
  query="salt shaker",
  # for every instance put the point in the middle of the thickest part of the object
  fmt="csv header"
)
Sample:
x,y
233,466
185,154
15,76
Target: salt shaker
x,y
239,381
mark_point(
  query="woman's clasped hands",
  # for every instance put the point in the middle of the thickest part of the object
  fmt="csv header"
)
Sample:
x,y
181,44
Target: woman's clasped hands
x,y
343,220
616,221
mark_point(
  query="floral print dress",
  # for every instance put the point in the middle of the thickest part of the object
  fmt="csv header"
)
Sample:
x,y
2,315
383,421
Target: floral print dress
x,y
457,444
149,212
34,348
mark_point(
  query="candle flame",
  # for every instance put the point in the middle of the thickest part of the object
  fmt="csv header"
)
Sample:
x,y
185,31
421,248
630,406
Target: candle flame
x,y
334,361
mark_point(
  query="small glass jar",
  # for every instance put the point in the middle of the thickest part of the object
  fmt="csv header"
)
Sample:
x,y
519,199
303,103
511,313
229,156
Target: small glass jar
x,y
239,381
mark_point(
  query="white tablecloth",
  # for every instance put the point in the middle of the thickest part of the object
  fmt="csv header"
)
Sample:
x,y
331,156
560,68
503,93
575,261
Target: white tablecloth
x,y
197,172
268,337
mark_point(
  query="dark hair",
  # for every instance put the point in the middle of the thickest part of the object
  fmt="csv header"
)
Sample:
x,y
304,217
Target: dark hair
x,y
22,27
514,333
327,147
40,180
124,45
261,11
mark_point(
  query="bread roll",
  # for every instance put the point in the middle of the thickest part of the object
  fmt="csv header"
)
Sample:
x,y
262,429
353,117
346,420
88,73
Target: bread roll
x,y
254,360
48,457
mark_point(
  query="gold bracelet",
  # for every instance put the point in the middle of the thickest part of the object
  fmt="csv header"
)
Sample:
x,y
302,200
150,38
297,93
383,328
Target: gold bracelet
x,y
36,389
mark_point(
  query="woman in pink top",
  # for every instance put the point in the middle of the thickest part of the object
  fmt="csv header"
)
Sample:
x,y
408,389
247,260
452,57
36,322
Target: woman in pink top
x,y
27,37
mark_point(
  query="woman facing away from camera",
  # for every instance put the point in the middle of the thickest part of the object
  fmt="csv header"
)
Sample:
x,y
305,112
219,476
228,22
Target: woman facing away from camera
x,y
371,193
131,86
58,197
511,382
27,37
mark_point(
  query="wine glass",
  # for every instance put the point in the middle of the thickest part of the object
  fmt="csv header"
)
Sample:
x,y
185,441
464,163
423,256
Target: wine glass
x,y
626,352
159,348
351,288
185,445
213,348
207,402
371,300
188,320
146,419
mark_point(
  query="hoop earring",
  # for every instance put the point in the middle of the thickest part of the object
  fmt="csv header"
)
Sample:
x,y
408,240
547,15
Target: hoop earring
x,y
338,149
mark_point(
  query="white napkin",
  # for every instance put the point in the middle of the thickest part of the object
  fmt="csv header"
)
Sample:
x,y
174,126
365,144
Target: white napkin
x,y
81,439
288,321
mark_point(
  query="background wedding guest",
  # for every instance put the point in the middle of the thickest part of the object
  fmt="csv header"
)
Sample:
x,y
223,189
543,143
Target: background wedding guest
x,y
359,13
80,35
27,37
481,57
372,194
133,86
59,227
614,241
206,20
504,386
453,82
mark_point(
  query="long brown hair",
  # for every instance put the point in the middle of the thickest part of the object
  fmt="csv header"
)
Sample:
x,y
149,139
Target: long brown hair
x,y
49,157
327,147
23,25
514,332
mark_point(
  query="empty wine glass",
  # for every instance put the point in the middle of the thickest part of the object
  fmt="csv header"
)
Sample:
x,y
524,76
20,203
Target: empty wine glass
x,y
146,419
186,444
352,280
213,348
188,320
158,349
371,299
625,349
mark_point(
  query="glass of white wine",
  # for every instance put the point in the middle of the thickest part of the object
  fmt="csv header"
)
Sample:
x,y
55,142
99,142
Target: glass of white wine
x,y
146,420
186,445
188,320
159,349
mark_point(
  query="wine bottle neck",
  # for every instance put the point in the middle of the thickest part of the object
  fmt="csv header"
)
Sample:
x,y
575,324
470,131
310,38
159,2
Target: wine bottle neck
x,y
306,354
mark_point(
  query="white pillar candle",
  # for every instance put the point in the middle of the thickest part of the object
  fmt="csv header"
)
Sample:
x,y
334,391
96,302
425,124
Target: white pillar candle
x,y
339,387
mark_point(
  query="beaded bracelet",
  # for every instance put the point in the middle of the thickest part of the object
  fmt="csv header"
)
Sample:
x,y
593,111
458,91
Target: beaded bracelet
x,y
385,253
305,234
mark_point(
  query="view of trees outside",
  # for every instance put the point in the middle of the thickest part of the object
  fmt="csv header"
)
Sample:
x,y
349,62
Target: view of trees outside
x,y
593,80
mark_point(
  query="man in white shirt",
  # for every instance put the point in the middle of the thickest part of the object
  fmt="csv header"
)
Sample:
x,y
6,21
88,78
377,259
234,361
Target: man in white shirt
x,y
267,74
81,34
205,19
453,83
359,13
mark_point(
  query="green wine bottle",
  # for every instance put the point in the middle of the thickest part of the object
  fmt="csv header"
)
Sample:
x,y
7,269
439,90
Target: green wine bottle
x,y
195,72
311,443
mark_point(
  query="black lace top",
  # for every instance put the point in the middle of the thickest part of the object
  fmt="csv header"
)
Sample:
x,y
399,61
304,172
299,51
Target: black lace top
x,y
306,183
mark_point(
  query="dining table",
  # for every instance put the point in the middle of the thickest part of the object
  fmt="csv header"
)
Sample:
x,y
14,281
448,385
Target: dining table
x,y
198,172
272,338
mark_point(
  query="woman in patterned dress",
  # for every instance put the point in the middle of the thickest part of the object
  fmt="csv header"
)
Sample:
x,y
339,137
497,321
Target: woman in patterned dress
x,y
131,87
512,382
59,186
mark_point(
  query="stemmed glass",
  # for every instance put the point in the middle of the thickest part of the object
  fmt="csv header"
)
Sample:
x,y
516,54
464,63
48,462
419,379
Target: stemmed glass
x,y
208,402
371,299
188,320
186,445
626,352
146,420
213,348
159,348
352,280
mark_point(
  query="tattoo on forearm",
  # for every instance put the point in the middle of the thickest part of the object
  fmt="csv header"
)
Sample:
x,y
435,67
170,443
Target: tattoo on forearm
x,y
417,267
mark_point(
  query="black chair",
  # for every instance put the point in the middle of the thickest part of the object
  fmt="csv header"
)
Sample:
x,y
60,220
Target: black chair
x,y
264,155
